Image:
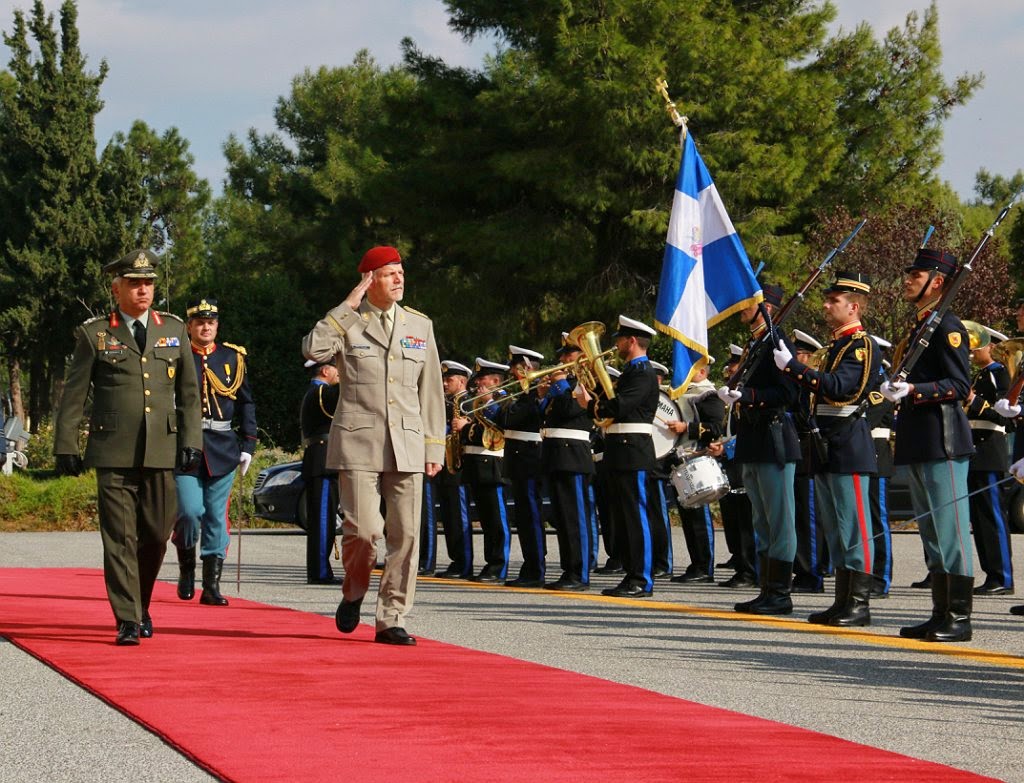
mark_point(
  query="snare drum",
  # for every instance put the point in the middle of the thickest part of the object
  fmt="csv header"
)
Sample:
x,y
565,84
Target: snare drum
x,y
699,481
664,439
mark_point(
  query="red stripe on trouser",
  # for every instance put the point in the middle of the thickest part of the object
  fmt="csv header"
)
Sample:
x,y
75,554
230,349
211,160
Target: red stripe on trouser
x,y
865,539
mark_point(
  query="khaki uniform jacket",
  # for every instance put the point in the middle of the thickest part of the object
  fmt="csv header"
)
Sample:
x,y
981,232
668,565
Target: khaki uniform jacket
x,y
145,404
389,389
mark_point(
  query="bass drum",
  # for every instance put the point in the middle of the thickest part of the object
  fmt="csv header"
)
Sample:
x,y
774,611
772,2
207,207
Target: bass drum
x,y
699,481
664,439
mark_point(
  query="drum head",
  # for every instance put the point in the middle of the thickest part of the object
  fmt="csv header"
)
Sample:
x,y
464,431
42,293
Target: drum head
x,y
664,439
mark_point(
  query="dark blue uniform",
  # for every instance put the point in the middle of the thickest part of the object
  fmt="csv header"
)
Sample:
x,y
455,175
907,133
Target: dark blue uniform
x,y
315,417
482,471
880,420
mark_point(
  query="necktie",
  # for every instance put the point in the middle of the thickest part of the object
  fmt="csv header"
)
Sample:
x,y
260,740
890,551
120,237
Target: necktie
x,y
385,321
140,334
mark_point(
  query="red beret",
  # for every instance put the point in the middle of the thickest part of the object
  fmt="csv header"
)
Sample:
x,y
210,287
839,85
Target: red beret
x,y
376,257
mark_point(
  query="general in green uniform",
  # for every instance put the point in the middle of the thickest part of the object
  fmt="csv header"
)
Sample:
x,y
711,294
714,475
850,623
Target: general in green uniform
x,y
138,365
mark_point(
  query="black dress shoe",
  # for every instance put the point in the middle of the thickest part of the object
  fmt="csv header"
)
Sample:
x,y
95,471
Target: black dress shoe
x,y
696,577
451,573
394,635
127,633
486,576
331,580
807,586
730,564
146,626
611,567
567,585
992,588
923,584
1017,610
425,572
740,580
627,591
661,573
347,616
520,581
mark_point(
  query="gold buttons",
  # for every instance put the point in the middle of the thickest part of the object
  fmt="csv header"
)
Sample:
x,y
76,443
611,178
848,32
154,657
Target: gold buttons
x,y
147,409
147,392
391,402
144,360
145,375
391,380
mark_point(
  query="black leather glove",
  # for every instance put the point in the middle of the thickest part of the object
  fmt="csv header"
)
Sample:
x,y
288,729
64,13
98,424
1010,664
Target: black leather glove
x,y
189,459
69,465
3,458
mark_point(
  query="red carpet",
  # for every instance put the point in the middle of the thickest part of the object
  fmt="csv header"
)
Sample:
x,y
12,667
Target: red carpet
x,y
257,693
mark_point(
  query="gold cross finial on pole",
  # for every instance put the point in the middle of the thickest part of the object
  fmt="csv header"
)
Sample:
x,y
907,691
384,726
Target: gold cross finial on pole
x,y
670,107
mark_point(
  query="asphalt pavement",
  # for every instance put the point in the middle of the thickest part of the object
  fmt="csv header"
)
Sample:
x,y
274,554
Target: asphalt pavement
x,y
961,705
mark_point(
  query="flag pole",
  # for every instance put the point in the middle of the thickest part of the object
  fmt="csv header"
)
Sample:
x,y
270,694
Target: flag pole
x,y
677,119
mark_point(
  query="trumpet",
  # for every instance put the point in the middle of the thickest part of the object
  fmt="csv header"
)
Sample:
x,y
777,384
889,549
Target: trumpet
x,y
593,371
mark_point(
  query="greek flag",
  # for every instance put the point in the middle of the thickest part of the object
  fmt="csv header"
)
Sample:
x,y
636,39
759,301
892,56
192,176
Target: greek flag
x,y
706,276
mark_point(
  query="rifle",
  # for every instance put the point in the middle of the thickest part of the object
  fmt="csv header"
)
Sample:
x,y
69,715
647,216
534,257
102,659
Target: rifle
x,y
746,368
922,337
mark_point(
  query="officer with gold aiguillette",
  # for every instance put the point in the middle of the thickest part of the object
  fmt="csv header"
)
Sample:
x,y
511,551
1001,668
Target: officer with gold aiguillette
x,y
145,419
227,402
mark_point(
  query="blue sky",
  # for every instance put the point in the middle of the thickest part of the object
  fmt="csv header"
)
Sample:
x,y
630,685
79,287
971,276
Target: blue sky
x,y
215,67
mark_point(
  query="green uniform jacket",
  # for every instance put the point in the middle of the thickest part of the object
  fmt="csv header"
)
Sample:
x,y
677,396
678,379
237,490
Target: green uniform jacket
x,y
145,404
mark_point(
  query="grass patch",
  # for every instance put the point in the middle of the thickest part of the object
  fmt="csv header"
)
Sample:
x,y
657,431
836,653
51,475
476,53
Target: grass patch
x,y
39,501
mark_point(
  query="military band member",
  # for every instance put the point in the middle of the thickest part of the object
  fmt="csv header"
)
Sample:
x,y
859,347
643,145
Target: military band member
x,y
453,495
613,542
520,419
388,431
933,439
811,563
569,466
226,399
768,449
880,420
990,462
703,415
844,456
483,457
657,499
145,420
315,416
629,452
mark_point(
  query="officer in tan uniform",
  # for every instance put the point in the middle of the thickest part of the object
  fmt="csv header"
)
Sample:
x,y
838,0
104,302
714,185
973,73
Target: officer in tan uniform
x,y
145,414
388,430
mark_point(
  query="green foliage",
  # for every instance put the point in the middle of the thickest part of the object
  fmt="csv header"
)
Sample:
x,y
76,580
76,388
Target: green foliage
x,y
38,501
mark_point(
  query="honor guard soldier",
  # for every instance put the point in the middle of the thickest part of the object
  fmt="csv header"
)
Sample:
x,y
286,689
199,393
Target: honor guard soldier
x,y
602,501
452,493
145,420
657,499
629,452
880,420
990,462
843,456
315,417
768,449
226,400
520,419
933,439
569,467
737,516
703,414
483,457
811,563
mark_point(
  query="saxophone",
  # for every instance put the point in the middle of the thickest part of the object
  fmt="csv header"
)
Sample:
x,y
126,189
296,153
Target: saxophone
x,y
452,444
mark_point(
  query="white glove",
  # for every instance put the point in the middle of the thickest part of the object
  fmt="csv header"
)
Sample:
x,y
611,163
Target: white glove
x,y
1017,469
1004,409
782,356
244,460
728,396
894,391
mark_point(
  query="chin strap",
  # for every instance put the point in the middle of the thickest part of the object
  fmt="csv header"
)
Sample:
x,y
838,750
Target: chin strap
x,y
926,286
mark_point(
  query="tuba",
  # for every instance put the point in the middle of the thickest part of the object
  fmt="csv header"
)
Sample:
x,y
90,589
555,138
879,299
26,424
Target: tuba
x,y
592,371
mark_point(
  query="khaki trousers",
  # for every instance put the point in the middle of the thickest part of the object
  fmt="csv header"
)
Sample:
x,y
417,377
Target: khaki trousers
x,y
363,525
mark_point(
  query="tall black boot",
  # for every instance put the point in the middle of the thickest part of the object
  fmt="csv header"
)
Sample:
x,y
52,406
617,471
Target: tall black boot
x,y
842,593
856,609
747,606
186,573
777,591
211,596
940,598
956,622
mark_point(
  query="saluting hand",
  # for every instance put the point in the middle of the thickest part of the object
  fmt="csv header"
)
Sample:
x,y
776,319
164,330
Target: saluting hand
x,y
355,298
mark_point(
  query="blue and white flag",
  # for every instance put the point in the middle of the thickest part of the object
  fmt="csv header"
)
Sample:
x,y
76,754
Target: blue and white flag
x,y
706,275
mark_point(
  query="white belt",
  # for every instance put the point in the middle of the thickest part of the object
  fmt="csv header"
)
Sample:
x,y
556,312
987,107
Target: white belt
x,y
218,426
981,424
630,429
834,410
563,432
530,437
598,456
482,451
881,432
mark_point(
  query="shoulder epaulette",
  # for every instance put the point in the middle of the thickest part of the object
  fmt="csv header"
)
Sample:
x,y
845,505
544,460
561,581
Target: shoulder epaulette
x,y
238,348
416,312
94,319
177,318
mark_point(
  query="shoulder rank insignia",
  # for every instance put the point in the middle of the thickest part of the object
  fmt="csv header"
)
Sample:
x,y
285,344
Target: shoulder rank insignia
x,y
237,348
170,315
955,339
415,312
876,398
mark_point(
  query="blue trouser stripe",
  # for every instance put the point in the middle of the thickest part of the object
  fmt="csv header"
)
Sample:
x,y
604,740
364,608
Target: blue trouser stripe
x,y
710,528
538,525
427,557
506,534
1001,529
883,514
668,524
594,532
812,519
467,530
645,531
324,557
583,522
